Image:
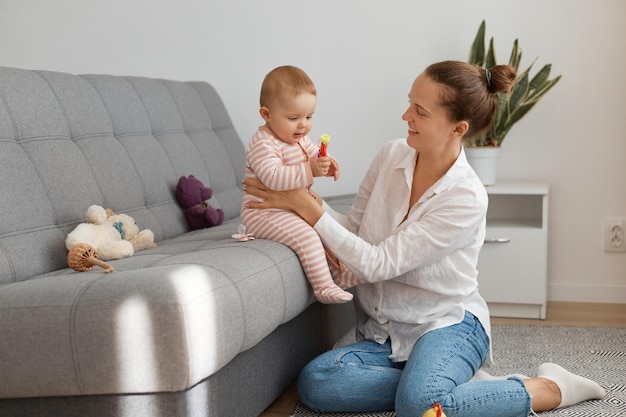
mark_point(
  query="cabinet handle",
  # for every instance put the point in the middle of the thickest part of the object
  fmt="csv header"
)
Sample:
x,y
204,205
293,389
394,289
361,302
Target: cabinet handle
x,y
497,240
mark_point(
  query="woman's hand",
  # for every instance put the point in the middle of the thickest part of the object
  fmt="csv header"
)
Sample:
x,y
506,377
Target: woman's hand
x,y
298,200
271,199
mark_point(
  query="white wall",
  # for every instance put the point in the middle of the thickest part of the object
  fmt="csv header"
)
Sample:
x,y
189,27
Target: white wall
x,y
363,56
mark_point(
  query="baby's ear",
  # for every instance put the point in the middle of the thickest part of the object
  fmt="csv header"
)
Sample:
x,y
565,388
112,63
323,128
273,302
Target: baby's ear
x,y
265,113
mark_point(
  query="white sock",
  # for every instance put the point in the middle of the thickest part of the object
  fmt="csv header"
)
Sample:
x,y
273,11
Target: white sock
x,y
574,388
481,375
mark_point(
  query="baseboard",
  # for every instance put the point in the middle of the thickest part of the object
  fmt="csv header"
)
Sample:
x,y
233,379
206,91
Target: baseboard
x,y
587,293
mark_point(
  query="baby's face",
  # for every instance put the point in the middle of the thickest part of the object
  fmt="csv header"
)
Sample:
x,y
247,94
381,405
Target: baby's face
x,y
291,117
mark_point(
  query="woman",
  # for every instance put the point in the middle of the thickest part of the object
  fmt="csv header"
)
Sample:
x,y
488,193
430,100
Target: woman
x,y
412,237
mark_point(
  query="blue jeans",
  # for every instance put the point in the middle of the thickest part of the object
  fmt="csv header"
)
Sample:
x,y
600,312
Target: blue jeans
x,y
360,378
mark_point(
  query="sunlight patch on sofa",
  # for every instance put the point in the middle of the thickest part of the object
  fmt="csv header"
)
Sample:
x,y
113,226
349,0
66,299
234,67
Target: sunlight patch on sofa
x,y
192,286
136,356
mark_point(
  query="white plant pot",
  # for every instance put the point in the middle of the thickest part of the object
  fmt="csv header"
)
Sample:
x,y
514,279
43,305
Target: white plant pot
x,y
484,161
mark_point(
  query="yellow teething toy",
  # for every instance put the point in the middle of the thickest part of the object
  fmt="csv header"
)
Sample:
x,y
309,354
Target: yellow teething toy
x,y
435,411
324,139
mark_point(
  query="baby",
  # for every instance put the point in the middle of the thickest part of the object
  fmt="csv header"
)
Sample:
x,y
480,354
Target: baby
x,y
281,155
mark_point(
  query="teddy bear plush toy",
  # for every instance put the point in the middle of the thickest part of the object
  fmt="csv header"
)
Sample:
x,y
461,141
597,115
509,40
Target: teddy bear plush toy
x,y
112,236
192,196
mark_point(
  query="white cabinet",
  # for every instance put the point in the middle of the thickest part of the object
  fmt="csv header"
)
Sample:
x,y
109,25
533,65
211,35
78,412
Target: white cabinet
x,y
512,265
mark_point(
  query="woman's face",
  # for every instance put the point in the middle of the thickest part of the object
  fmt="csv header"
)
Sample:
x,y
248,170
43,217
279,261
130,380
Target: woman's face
x,y
428,123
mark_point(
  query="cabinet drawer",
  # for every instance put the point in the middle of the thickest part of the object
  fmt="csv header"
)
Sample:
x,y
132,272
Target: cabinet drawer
x,y
512,266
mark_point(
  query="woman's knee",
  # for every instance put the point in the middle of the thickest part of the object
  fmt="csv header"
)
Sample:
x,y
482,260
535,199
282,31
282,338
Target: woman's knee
x,y
315,384
355,377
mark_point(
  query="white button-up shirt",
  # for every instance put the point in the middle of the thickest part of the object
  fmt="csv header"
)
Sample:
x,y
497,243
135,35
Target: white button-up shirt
x,y
421,272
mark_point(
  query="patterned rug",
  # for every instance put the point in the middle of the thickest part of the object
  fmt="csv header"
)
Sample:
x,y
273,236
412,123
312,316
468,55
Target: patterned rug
x,y
598,353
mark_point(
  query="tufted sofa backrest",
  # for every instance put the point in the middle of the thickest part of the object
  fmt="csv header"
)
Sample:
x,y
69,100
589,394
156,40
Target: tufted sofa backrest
x,y
68,141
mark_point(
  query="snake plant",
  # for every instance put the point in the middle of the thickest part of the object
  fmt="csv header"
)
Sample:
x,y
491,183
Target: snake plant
x,y
525,93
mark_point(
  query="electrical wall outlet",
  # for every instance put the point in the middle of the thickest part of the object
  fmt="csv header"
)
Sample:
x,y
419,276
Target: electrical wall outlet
x,y
614,235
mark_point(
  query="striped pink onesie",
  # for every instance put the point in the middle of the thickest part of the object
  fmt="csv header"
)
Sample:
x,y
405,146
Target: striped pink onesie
x,y
283,166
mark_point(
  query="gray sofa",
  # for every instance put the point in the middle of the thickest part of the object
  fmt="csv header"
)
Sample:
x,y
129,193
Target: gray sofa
x,y
201,325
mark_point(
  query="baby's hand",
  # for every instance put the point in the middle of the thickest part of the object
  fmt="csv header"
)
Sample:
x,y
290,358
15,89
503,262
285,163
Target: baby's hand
x,y
320,166
333,171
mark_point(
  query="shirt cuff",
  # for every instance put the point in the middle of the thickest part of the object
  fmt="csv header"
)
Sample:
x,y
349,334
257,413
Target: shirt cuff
x,y
332,233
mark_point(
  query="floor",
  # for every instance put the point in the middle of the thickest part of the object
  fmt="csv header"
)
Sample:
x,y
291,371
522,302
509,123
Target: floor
x,y
557,314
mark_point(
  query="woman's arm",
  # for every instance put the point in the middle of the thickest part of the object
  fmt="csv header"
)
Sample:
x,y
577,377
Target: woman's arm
x,y
420,241
307,206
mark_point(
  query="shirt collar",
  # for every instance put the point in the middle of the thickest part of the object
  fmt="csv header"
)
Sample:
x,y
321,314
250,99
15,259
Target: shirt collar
x,y
407,165
456,173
